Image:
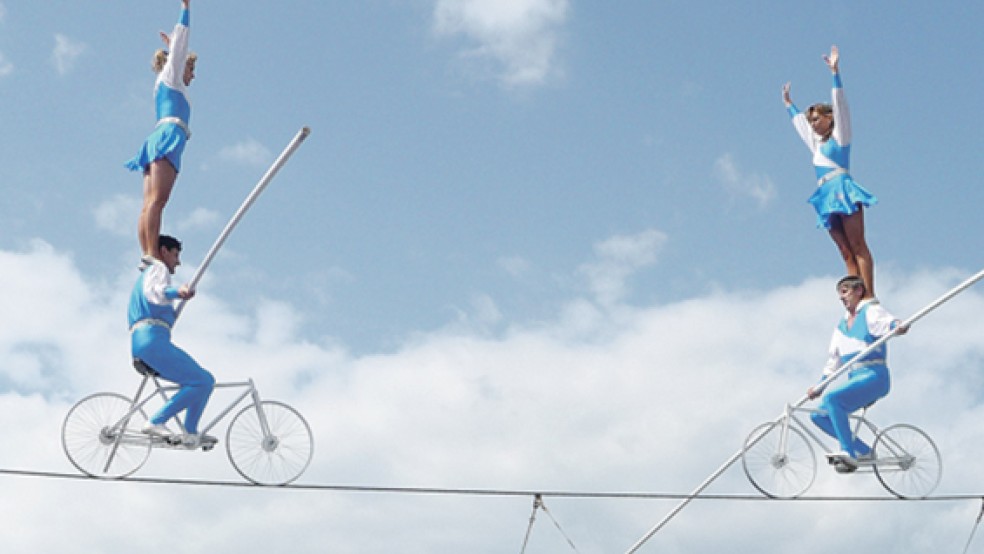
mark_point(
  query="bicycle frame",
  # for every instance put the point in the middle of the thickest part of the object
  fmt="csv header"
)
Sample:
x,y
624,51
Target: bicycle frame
x,y
162,390
267,442
789,418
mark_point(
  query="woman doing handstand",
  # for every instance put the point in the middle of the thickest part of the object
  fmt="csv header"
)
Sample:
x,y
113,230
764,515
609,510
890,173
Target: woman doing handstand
x,y
160,156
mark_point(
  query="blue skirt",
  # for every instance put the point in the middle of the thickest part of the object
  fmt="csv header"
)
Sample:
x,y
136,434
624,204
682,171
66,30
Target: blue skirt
x,y
840,195
167,141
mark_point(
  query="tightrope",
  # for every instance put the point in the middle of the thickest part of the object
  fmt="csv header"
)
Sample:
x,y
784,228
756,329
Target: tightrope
x,y
478,492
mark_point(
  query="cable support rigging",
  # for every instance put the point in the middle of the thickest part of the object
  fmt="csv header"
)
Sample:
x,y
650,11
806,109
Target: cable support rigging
x,y
539,505
974,528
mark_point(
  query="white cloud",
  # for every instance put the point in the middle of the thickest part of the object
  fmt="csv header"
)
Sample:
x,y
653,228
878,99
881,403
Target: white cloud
x,y
661,401
66,53
515,266
516,39
6,68
758,187
247,152
118,215
199,218
617,258
481,315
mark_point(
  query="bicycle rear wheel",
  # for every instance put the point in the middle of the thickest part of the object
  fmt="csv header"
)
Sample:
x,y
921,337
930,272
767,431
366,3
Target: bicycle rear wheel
x,y
92,429
907,461
275,459
777,472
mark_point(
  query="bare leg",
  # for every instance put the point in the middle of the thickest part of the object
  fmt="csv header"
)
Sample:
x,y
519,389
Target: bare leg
x,y
158,183
839,236
853,226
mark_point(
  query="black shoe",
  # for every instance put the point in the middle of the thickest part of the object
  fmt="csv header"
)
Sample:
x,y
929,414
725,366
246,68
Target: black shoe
x,y
843,462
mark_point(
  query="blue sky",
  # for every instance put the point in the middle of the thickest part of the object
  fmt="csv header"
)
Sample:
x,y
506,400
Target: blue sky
x,y
535,182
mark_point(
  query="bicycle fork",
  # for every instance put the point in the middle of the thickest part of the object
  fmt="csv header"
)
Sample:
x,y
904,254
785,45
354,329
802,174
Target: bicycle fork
x,y
270,442
781,459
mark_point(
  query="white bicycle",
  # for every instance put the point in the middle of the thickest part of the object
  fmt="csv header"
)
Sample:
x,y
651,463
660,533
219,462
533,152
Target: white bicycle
x,y
267,442
779,460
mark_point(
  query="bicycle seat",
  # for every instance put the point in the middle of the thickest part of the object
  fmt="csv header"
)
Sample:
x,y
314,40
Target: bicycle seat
x,y
864,409
144,369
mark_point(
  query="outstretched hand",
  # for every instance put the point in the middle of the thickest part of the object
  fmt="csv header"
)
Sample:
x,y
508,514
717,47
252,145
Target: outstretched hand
x,y
832,58
166,39
785,95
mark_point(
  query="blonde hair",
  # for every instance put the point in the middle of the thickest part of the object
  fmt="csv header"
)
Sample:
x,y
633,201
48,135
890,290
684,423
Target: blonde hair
x,y
160,58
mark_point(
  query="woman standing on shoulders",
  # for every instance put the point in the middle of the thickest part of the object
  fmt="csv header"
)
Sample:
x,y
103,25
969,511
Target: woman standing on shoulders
x,y
160,156
838,200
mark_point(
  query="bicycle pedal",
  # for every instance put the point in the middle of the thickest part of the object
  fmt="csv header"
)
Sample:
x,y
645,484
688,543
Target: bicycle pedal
x,y
172,440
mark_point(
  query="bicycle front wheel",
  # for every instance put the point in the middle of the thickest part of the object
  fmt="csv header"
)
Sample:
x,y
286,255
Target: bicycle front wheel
x,y
277,458
777,471
907,461
99,442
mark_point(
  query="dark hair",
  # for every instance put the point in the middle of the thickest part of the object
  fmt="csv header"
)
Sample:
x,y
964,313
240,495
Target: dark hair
x,y
169,242
852,281
820,108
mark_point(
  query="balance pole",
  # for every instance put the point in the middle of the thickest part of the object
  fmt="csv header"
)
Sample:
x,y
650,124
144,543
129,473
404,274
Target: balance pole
x,y
295,143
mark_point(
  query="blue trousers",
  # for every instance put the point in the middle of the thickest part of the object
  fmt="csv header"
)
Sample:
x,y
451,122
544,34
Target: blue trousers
x,y
863,386
153,345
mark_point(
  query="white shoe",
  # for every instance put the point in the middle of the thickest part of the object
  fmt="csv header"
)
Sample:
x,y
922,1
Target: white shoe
x,y
145,261
196,440
155,430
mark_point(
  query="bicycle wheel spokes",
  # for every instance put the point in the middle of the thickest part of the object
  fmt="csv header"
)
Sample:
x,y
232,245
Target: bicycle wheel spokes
x,y
907,462
275,459
93,427
778,472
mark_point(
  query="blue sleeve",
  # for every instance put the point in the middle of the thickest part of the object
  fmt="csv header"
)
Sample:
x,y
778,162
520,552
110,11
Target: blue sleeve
x,y
185,17
837,81
792,110
171,293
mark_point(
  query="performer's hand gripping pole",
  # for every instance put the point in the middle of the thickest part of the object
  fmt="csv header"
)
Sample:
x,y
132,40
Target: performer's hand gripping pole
x,y
264,181
844,367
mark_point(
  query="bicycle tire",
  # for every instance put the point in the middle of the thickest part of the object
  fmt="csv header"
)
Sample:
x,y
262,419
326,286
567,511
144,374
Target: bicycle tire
x,y
88,437
907,462
277,459
775,474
